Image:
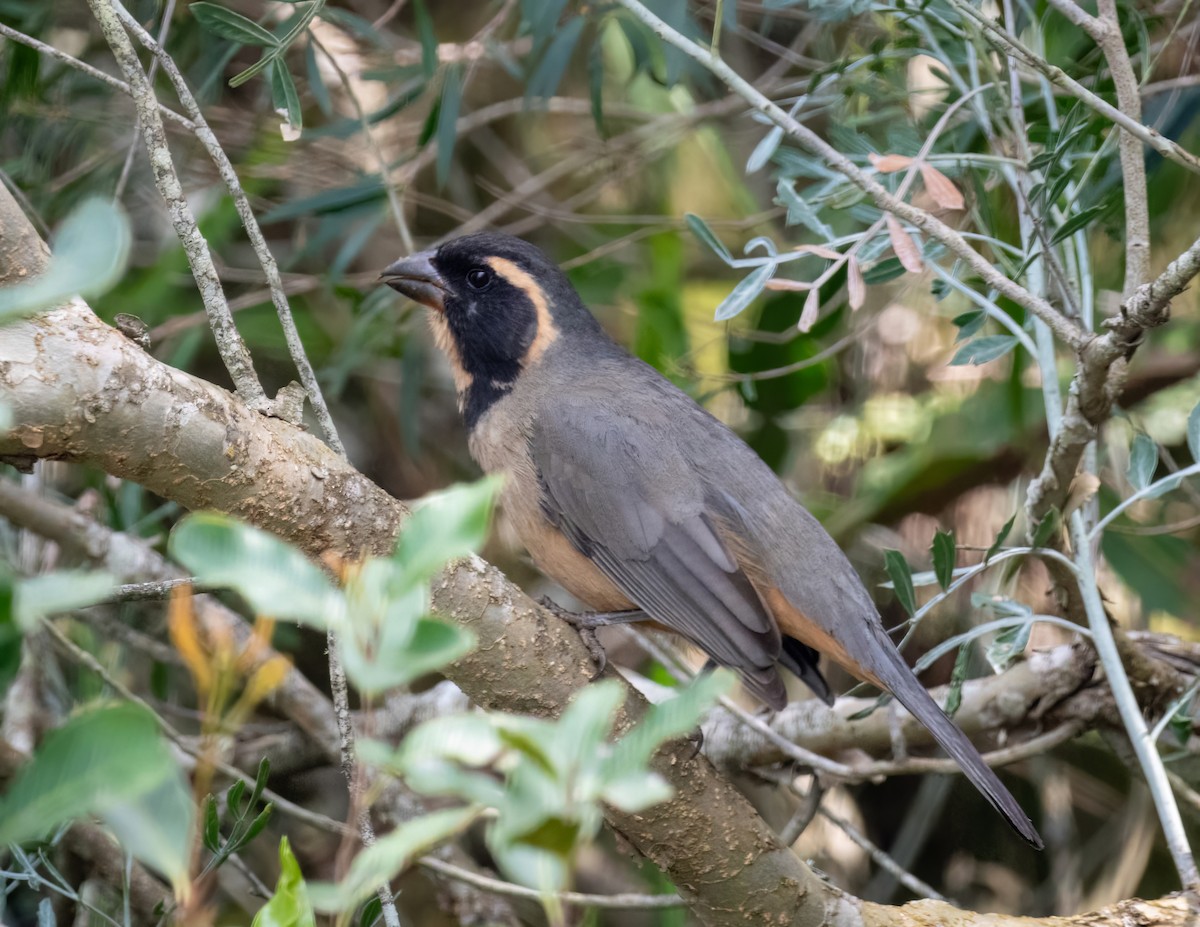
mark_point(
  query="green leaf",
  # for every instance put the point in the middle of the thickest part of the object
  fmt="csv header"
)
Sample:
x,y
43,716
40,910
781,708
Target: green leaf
x,y
443,527
747,290
260,780
944,550
390,662
283,94
1077,221
1193,433
212,825
763,150
429,42
957,677
88,257
548,74
1008,645
371,912
447,126
106,761
799,212
1143,461
391,855
701,230
274,577
883,271
316,83
52,593
1046,528
1000,538
665,720
901,575
156,826
637,792
968,324
230,25
289,906
982,350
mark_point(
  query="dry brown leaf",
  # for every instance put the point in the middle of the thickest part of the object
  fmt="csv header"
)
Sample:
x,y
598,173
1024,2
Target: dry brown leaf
x,y
855,284
1083,487
889,163
788,285
819,251
941,188
812,308
903,244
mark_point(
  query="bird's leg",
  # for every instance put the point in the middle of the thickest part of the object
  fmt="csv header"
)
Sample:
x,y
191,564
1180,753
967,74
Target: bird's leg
x,y
586,624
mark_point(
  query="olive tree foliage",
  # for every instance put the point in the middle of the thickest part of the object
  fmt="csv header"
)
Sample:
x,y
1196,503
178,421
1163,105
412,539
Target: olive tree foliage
x,y
899,196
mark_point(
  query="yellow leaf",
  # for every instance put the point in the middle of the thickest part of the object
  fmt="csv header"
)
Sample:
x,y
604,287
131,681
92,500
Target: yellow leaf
x,y
788,285
181,626
819,251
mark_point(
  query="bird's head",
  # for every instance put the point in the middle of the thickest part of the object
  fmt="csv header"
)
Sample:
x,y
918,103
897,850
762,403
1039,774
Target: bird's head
x,y
499,304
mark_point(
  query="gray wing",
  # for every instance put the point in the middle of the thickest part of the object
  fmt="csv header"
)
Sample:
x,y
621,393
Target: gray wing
x,y
627,499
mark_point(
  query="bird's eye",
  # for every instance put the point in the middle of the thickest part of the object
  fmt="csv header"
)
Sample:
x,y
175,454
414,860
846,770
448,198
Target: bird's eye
x,y
479,278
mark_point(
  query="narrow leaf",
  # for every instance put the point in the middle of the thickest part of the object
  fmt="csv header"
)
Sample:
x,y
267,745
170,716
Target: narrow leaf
x,y
1000,539
982,350
812,309
901,575
944,549
856,287
904,245
745,292
763,150
1008,645
230,25
958,676
702,231
447,125
1193,433
889,163
1143,461
941,188
285,100
1076,222
819,251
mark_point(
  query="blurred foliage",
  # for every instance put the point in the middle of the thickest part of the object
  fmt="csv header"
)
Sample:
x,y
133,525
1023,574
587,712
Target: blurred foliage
x,y
911,414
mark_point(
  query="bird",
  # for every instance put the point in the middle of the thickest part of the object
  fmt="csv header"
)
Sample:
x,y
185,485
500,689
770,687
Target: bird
x,y
642,504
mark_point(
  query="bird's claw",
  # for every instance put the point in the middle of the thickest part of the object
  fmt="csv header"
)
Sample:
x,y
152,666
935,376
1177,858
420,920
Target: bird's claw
x,y
585,628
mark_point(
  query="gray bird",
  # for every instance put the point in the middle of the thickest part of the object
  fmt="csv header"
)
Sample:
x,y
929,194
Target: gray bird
x,y
643,505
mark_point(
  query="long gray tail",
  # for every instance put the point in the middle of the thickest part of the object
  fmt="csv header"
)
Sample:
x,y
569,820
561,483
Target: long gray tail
x,y
898,678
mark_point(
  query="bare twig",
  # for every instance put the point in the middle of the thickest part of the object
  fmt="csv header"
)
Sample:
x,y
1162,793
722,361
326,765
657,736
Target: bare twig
x,y
258,242
50,51
229,343
163,29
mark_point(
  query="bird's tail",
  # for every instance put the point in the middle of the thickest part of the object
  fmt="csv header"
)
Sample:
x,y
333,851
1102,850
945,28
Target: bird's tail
x,y
898,678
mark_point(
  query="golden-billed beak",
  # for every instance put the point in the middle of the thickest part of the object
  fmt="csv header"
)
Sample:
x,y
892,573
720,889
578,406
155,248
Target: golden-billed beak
x,y
417,278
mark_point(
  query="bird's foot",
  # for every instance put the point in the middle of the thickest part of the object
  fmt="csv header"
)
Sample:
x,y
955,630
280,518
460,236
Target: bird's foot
x,y
586,624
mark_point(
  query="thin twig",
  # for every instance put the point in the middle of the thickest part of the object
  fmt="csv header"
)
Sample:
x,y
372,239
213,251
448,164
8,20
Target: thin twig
x,y
50,51
208,139
163,29
629,901
341,706
232,348
1130,711
381,160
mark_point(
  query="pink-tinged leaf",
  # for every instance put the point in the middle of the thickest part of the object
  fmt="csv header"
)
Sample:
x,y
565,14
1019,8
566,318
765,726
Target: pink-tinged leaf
x,y
855,284
903,244
790,286
819,250
941,188
889,163
812,308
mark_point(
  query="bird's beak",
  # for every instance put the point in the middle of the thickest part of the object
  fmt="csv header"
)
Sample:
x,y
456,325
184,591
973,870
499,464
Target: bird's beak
x,y
417,278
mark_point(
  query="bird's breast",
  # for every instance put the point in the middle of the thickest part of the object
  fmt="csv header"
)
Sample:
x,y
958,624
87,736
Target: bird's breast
x,y
499,442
